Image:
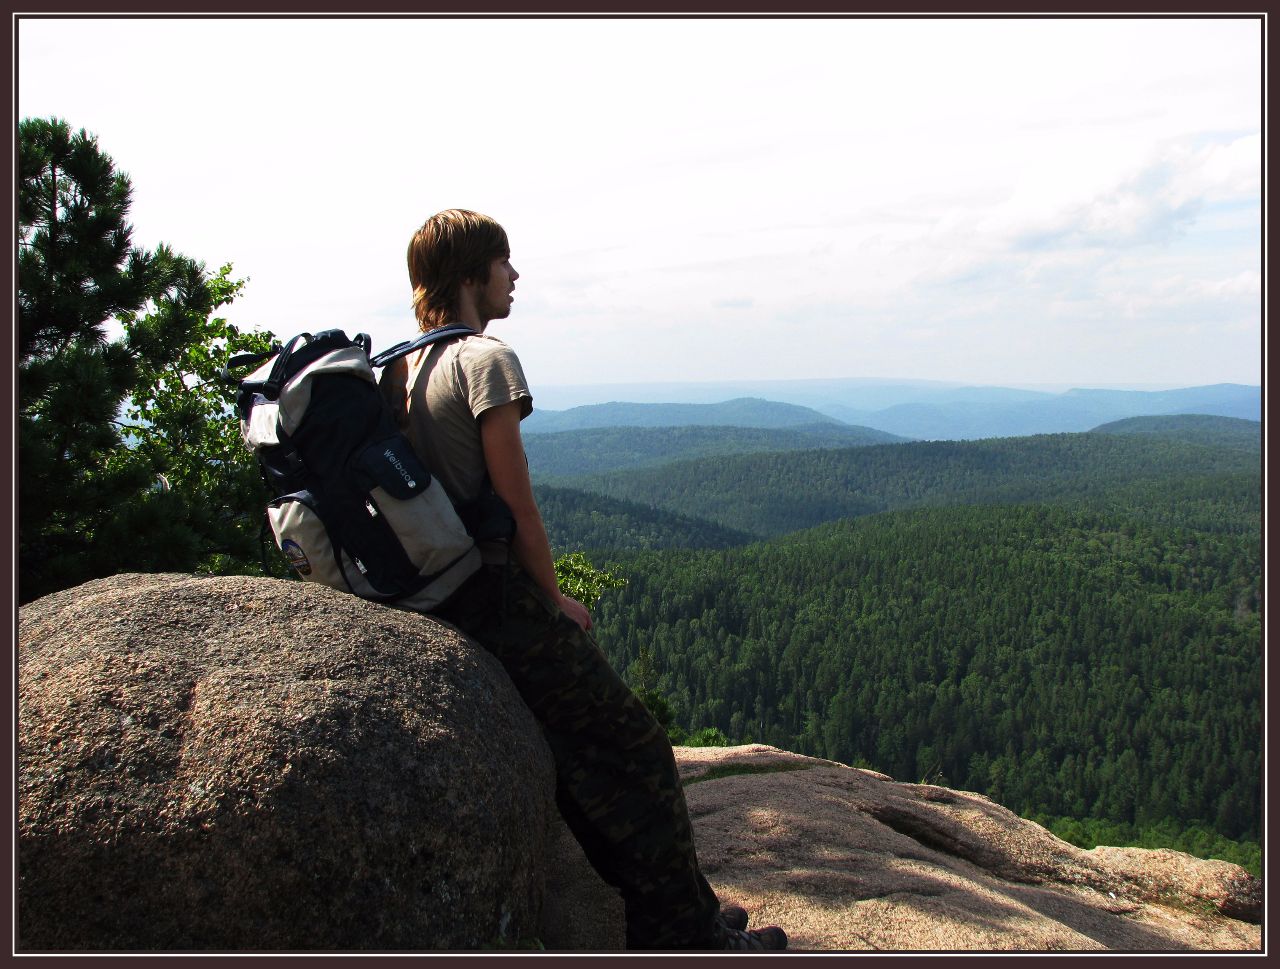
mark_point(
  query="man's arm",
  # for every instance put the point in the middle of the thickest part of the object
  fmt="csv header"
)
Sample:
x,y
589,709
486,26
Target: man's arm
x,y
509,474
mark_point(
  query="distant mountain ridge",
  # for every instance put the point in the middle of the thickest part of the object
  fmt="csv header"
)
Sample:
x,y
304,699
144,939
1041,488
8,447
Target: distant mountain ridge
x,y
741,412
597,449
918,410
955,415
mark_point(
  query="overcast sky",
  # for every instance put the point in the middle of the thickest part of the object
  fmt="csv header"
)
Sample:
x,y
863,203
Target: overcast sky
x,y
1012,202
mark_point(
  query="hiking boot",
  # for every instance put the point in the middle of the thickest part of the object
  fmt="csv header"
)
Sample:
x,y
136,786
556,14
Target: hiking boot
x,y
770,939
733,916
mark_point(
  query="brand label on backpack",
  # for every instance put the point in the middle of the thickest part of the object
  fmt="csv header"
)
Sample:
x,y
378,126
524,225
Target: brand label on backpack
x,y
390,455
296,556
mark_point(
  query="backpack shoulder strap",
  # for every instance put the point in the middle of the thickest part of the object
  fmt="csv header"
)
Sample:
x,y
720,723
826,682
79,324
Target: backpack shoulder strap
x,y
412,346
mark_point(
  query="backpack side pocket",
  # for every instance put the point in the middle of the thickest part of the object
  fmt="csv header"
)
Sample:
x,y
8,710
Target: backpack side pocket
x,y
414,505
303,538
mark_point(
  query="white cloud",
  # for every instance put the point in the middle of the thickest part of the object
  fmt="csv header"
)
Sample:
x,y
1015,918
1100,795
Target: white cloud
x,y
1246,284
1224,171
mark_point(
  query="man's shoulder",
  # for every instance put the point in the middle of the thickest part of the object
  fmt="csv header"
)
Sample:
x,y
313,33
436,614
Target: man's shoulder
x,y
476,342
481,346
491,373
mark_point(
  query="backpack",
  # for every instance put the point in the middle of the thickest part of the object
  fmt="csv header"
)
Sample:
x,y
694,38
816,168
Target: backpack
x,y
352,507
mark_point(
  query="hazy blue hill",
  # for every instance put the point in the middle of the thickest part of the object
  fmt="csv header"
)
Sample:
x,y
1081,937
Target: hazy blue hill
x,y
920,410
1232,432
1074,410
742,412
972,420
616,448
771,494
990,395
1222,400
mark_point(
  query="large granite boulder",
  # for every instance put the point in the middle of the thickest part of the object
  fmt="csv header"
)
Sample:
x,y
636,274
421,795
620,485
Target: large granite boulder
x,y
244,763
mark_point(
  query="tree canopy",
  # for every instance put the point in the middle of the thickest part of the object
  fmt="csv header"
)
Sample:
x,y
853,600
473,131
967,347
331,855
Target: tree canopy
x,y
123,456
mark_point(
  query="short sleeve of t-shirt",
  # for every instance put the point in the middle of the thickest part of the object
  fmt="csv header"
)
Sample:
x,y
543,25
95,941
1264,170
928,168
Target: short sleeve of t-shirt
x,y
444,392
491,374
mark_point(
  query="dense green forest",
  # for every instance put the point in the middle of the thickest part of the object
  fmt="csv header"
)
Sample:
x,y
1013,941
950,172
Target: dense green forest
x,y
615,448
1060,659
773,494
1069,624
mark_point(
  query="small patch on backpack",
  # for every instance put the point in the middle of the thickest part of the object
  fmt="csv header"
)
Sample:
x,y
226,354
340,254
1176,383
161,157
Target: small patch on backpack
x,y
296,556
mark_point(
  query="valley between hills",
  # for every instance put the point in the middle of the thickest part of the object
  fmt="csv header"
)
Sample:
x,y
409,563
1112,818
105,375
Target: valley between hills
x,y
1069,622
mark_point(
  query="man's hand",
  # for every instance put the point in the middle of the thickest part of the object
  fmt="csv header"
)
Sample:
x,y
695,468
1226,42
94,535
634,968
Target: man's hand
x,y
576,611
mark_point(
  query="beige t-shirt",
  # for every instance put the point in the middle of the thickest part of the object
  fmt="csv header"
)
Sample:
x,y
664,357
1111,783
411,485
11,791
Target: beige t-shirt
x,y
437,395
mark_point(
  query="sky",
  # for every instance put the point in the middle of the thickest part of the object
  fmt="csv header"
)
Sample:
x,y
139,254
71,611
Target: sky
x,y
1017,202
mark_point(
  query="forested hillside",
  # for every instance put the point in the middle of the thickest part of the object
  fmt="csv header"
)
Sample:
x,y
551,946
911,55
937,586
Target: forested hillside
x,y
1062,660
772,494
618,448
1205,429
576,520
1068,623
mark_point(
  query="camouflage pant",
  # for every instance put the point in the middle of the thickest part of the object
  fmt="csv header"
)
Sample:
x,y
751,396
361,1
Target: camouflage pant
x,y
617,785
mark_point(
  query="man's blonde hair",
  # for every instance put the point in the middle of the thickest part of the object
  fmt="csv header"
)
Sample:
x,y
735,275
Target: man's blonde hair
x,y
451,246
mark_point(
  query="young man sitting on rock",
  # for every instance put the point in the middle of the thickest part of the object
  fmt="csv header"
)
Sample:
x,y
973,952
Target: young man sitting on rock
x,y
461,402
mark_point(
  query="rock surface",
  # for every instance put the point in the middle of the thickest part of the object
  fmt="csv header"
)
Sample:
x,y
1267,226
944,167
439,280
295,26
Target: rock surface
x,y
239,763
847,859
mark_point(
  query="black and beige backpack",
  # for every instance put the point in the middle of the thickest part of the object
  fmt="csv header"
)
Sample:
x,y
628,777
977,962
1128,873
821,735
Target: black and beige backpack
x,y
352,507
